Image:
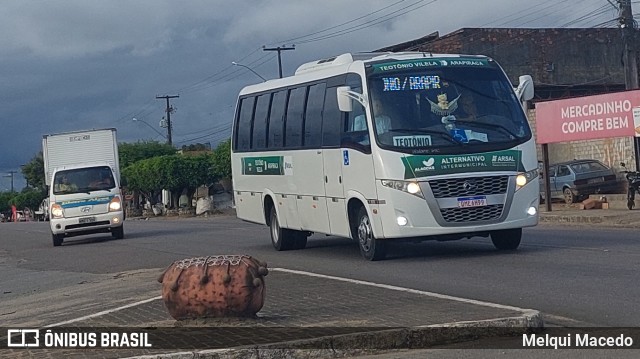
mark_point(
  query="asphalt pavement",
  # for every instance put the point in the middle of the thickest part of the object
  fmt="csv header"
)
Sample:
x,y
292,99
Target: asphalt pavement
x,y
308,315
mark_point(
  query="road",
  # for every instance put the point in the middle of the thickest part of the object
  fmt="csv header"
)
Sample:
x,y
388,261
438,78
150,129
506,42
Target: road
x,y
574,275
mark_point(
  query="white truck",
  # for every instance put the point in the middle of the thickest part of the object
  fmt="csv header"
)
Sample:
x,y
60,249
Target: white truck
x,y
82,173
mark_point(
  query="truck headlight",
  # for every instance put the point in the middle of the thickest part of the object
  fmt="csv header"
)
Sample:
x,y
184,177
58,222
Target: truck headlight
x,y
523,178
56,211
115,204
404,186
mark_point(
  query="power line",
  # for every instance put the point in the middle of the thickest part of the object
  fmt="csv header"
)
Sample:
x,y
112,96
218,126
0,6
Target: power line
x,y
370,23
226,73
342,24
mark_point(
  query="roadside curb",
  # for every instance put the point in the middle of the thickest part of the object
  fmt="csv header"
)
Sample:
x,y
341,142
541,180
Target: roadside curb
x,y
374,342
560,218
620,220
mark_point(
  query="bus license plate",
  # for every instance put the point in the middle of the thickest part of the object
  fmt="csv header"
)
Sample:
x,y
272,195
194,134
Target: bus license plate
x,y
476,201
87,220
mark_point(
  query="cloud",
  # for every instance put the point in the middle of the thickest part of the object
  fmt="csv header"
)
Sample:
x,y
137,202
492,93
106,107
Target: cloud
x,y
78,64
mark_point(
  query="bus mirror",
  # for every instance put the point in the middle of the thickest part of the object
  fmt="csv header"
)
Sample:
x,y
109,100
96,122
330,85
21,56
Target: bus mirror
x,y
344,100
525,88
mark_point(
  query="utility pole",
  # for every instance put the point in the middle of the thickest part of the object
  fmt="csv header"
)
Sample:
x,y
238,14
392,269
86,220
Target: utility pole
x,y
279,49
628,27
168,110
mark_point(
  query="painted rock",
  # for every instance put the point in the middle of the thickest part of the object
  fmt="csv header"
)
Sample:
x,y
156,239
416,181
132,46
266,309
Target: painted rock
x,y
214,286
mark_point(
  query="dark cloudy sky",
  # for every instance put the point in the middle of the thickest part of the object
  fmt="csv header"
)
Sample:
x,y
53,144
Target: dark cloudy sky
x,y
81,64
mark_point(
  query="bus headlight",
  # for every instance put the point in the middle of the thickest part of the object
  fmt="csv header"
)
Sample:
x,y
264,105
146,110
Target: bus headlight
x,y
115,204
56,211
404,186
523,178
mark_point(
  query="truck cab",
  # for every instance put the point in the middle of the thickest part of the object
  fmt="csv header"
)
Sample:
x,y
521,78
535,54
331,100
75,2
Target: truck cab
x,y
85,199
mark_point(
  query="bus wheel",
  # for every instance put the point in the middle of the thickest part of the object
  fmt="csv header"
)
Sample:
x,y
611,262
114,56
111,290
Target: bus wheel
x,y
285,239
371,249
57,239
507,240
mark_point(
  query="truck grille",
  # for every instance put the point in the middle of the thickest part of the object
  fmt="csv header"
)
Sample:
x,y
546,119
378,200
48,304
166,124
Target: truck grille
x,y
469,186
473,214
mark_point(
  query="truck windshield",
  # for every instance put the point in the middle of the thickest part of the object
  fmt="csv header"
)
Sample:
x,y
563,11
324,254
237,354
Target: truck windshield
x,y
83,180
442,105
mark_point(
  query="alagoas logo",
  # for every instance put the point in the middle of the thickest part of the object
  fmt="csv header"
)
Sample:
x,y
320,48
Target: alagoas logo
x,y
428,165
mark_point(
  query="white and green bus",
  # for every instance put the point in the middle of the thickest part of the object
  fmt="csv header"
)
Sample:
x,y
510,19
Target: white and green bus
x,y
379,147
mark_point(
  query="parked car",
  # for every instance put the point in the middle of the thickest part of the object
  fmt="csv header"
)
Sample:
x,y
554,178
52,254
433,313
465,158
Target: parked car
x,y
21,216
575,180
43,211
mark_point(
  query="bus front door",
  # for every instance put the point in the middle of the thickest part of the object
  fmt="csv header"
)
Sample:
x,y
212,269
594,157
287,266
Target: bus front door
x,y
334,159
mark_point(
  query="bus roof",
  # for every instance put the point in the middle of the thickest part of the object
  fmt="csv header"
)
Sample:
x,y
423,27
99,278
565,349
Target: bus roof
x,y
336,65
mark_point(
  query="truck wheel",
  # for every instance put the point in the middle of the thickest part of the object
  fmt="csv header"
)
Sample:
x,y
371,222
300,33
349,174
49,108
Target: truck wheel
x,y
372,249
507,239
117,232
57,239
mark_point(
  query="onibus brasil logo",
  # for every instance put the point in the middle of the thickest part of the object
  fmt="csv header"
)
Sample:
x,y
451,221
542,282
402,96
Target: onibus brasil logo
x,y
32,338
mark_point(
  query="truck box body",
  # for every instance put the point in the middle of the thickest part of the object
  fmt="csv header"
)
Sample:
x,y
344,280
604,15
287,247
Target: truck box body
x,y
80,147
83,175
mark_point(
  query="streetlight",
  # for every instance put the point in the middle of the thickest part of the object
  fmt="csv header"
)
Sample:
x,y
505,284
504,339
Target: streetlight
x,y
153,128
10,174
250,69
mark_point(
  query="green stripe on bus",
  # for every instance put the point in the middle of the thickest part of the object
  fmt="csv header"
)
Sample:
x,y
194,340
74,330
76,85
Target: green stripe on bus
x,y
423,166
266,165
430,62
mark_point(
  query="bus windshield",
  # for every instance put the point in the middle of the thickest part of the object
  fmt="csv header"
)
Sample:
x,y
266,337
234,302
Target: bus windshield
x,y
437,105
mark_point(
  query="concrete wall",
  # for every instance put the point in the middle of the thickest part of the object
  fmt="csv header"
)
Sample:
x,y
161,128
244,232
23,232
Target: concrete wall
x,y
552,56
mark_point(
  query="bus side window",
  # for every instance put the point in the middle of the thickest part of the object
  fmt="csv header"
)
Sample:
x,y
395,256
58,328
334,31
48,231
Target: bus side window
x,y
295,117
333,119
244,124
313,117
276,120
356,130
260,122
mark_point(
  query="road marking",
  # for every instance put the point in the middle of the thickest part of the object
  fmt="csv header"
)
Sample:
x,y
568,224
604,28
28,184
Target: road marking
x,y
311,274
108,311
402,289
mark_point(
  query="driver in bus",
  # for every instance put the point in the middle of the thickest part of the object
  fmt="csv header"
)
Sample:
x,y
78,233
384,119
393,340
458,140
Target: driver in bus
x,y
468,108
383,122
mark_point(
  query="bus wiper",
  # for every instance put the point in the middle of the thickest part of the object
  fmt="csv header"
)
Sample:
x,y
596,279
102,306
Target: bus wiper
x,y
442,134
490,126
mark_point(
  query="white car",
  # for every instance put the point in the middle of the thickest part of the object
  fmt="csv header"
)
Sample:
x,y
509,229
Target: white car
x,y
43,210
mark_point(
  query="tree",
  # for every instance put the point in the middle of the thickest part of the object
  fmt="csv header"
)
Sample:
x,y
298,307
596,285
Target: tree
x,y
143,176
222,160
29,197
196,147
174,173
5,201
33,172
134,152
